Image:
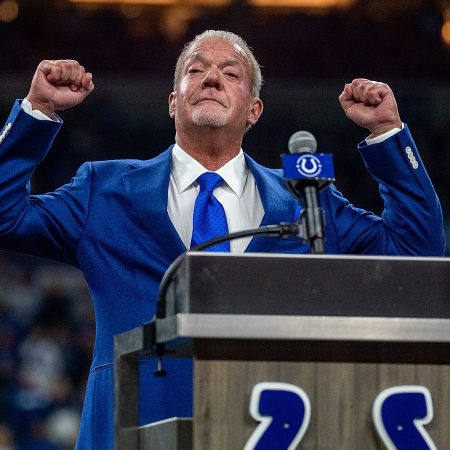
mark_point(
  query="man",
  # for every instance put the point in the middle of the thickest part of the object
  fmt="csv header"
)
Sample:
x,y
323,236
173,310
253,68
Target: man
x,y
123,222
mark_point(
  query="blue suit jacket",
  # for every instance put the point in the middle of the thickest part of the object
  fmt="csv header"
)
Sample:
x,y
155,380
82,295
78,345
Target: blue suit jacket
x,y
111,221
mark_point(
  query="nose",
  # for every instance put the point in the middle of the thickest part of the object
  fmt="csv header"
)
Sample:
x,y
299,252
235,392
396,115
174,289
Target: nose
x,y
212,78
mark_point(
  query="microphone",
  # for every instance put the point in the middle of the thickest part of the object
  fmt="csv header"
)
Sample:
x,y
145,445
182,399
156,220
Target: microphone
x,y
302,142
307,173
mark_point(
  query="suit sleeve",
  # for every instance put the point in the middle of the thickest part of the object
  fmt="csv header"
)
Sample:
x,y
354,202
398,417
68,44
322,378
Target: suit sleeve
x,y
47,225
411,222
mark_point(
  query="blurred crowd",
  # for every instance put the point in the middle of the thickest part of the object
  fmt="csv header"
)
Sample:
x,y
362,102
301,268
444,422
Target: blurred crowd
x,y
46,338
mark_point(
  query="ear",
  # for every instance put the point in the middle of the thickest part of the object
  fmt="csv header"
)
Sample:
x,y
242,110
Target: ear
x,y
172,104
256,109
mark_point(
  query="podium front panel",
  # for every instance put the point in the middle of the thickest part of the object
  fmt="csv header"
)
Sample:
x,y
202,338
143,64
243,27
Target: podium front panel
x,y
341,379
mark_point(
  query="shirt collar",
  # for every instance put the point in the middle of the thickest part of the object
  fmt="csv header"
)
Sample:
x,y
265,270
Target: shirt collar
x,y
186,170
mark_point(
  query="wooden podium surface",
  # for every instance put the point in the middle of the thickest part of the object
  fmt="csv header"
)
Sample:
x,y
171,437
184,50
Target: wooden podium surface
x,y
341,328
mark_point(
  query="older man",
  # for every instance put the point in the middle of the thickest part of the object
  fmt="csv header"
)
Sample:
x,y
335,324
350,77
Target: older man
x,y
123,222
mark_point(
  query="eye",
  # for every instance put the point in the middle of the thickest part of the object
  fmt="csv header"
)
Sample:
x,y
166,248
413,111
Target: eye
x,y
231,74
194,70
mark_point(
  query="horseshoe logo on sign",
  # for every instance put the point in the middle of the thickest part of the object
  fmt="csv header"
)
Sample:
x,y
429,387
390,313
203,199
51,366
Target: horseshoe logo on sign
x,y
309,166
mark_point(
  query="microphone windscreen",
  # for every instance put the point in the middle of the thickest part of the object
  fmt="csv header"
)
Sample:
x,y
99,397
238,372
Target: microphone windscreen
x,y
301,142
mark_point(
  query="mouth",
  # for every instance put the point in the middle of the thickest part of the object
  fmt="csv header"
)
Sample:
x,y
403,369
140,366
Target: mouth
x,y
208,99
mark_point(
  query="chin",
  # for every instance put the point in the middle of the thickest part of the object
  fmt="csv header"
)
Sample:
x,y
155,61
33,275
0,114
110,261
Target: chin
x,y
210,121
213,119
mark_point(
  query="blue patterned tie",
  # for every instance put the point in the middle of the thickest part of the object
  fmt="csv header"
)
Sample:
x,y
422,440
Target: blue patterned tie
x,y
209,216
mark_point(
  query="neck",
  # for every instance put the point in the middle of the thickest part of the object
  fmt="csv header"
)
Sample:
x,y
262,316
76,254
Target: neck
x,y
212,149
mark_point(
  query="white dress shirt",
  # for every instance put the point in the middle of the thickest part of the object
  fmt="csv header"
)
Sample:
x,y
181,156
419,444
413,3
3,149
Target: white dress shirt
x,y
238,195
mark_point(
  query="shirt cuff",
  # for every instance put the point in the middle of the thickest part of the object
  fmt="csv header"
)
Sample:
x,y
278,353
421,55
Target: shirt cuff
x,y
26,106
384,136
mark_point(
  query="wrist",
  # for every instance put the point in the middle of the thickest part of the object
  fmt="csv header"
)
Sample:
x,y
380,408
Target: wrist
x,y
382,137
385,128
45,108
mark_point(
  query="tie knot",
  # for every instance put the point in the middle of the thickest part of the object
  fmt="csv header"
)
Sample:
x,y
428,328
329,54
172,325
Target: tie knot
x,y
209,181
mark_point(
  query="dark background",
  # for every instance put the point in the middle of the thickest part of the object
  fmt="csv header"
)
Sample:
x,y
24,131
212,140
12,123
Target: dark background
x,y
307,56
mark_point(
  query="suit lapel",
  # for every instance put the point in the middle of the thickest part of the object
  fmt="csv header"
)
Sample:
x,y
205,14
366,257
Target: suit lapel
x,y
279,205
147,187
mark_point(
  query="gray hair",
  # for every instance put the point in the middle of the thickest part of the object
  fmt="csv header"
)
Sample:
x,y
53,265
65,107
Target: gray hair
x,y
255,69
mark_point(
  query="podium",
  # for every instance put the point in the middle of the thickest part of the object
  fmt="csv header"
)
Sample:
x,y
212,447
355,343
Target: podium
x,y
342,328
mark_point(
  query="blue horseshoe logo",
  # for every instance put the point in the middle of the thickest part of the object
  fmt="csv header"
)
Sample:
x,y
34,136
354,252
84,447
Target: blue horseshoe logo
x,y
309,166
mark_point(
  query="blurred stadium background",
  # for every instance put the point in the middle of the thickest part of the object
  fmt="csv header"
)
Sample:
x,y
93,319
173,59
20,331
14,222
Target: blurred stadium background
x,y
308,49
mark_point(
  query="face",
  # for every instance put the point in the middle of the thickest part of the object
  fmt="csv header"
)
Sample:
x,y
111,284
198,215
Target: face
x,y
214,89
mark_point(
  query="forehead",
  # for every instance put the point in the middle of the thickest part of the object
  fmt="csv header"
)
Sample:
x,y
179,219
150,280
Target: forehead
x,y
216,48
